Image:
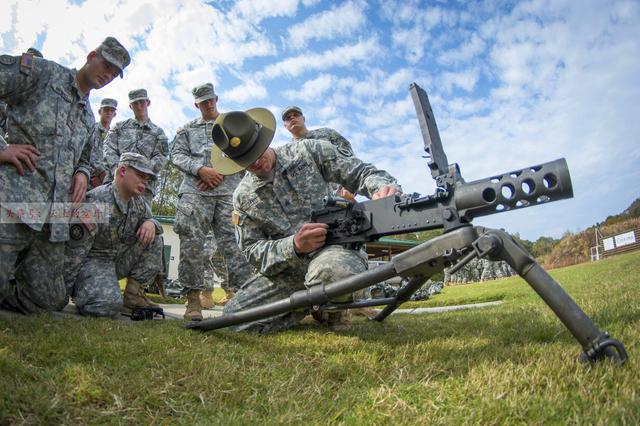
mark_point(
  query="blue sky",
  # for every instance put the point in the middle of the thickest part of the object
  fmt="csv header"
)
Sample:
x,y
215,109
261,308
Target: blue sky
x,y
512,84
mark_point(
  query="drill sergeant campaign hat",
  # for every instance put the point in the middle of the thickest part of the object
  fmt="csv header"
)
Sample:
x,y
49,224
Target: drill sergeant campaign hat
x,y
240,138
203,92
114,53
289,109
109,103
138,95
138,162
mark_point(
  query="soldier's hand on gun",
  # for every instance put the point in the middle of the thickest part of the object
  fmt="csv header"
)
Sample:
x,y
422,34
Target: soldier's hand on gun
x,y
310,237
209,178
146,233
20,156
385,191
78,188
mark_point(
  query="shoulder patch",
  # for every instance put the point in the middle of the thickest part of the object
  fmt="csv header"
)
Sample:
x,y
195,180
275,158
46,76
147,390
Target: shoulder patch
x,y
7,60
76,232
235,217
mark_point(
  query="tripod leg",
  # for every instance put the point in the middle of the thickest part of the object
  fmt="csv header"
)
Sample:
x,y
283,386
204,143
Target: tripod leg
x,y
596,343
402,296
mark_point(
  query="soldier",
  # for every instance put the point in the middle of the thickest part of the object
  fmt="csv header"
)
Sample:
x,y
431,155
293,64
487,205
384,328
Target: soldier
x,y
126,245
205,204
272,209
46,164
295,122
107,111
139,135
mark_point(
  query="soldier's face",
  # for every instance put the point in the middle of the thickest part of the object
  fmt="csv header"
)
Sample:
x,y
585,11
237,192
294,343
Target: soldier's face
x,y
100,71
140,108
263,165
293,120
134,182
107,113
209,108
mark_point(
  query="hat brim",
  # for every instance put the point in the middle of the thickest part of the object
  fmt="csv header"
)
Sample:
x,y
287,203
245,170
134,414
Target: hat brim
x,y
225,165
113,62
144,170
137,99
204,98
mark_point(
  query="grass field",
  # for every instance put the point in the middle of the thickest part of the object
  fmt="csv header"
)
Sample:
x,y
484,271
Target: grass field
x,y
510,364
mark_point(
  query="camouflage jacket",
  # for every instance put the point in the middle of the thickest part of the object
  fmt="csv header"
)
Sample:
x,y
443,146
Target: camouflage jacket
x,y
336,139
269,213
328,134
46,110
105,238
190,150
97,160
132,136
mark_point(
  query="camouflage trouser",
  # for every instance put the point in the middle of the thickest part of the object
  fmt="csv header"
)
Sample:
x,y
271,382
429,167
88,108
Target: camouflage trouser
x,y
31,270
196,216
329,265
96,291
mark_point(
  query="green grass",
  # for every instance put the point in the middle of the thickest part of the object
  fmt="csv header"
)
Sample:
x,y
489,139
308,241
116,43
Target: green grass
x,y
510,364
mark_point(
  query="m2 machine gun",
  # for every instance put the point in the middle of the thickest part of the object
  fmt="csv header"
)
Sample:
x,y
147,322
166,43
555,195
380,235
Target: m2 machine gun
x,y
452,207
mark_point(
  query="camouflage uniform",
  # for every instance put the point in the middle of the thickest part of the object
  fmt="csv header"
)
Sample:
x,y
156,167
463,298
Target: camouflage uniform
x,y
199,212
336,139
96,259
271,211
133,136
97,151
46,110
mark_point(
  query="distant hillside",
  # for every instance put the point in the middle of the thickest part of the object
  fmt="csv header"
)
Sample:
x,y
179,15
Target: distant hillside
x,y
575,248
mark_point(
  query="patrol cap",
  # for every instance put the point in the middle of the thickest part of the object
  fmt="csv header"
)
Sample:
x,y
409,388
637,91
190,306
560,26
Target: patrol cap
x,y
138,162
240,138
289,109
35,52
114,53
138,95
109,103
203,92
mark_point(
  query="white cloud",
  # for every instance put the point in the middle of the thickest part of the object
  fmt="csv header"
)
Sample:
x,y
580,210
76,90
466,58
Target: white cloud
x,y
256,11
342,56
344,20
248,91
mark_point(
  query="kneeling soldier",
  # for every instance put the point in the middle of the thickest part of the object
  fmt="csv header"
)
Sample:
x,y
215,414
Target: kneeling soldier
x,y
125,245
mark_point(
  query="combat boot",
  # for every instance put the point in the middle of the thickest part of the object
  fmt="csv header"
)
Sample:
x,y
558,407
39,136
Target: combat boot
x,y
194,309
206,300
339,321
134,296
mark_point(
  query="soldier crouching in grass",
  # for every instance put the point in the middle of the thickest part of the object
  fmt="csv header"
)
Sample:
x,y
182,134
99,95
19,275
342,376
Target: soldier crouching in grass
x,y
272,209
127,244
45,165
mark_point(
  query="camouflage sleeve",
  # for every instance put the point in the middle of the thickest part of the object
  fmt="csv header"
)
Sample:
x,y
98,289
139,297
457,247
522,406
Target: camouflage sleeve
x,y
97,166
84,165
268,256
160,152
3,143
148,216
17,77
341,142
349,171
181,154
111,155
